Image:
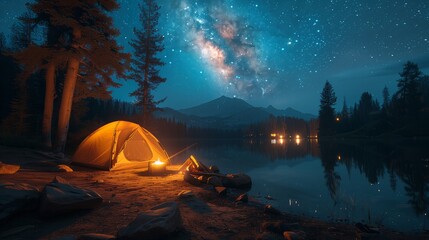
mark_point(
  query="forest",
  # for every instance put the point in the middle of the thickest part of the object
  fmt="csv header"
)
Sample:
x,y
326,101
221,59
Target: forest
x,y
405,113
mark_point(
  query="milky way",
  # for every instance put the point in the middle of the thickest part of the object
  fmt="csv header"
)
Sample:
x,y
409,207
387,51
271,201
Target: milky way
x,y
226,43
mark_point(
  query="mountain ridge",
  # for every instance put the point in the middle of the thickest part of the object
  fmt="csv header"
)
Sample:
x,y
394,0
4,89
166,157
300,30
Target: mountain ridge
x,y
226,112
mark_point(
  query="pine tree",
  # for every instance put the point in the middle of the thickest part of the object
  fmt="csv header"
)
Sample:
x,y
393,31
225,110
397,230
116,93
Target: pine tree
x,y
408,94
386,99
84,44
327,112
22,32
344,110
145,65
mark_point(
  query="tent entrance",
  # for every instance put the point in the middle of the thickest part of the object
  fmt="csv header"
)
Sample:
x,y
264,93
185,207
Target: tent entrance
x,y
135,149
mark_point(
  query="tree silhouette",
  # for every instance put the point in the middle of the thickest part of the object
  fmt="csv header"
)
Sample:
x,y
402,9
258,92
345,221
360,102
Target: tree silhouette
x,y
145,64
326,112
386,99
22,32
408,95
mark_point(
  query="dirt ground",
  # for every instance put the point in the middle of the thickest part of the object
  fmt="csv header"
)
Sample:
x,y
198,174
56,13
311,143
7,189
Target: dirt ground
x,y
127,193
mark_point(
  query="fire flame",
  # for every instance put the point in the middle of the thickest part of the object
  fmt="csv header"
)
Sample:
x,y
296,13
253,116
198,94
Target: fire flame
x,y
157,162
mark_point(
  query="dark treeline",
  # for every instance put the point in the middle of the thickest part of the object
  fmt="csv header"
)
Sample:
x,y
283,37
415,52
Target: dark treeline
x,y
405,113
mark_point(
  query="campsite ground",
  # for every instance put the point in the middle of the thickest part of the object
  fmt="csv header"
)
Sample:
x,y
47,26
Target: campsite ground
x,y
127,193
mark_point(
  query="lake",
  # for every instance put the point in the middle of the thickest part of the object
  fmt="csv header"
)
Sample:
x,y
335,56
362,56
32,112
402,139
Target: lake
x,y
339,181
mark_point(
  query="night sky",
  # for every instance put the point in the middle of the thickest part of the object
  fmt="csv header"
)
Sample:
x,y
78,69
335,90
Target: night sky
x,y
277,52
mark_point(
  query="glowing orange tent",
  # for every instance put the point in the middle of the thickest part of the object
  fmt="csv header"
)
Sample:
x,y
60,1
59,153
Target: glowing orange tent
x,y
119,145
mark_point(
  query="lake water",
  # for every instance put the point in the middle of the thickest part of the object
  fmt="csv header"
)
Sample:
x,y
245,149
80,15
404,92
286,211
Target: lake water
x,y
339,181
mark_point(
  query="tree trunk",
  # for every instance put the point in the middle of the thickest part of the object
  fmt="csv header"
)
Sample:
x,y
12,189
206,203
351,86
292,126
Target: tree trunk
x,y
66,103
67,97
49,106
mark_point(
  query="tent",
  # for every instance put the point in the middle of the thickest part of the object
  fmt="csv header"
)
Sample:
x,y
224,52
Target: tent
x,y
119,145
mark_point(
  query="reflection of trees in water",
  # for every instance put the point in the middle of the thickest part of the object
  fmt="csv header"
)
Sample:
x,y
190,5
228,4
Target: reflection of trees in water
x,y
329,158
409,162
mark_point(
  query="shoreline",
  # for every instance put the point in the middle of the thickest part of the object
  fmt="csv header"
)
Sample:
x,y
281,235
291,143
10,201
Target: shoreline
x,y
127,193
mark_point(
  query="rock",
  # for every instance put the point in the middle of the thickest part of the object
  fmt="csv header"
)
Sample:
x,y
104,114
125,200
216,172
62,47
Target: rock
x,y
64,168
237,181
185,194
214,181
96,236
189,199
269,236
59,197
242,198
271,210
8,168
160,222
294,235
221,191
277,227
17,197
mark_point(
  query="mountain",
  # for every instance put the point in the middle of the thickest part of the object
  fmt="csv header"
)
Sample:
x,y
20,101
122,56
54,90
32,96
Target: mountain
x,y
220,107
290,112
225,112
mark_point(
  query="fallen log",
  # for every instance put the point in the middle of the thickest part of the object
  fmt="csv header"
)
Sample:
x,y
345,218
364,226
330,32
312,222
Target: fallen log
x,y
240,180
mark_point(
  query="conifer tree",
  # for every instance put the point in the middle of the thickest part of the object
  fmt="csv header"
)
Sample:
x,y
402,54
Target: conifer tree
x,y
386,99
22,32
327,112
145,64
85,47
408,94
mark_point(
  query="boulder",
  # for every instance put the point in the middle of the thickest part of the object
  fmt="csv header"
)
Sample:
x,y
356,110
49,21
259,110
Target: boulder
x,y
59,197
237,181
186,195
8,168
160,222
17,197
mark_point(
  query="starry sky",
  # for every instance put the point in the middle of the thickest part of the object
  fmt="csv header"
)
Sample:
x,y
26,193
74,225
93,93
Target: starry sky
x,y
275,52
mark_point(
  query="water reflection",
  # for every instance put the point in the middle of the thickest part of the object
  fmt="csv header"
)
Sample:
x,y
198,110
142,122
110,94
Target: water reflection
x,y
369,181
